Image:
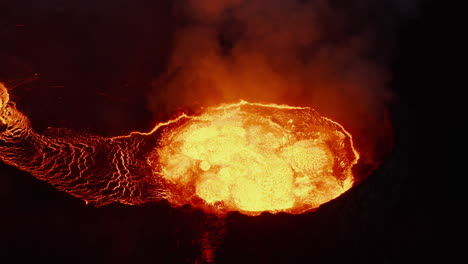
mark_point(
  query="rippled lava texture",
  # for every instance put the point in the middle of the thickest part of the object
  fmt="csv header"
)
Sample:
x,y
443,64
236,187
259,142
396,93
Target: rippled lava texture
x,y
243,157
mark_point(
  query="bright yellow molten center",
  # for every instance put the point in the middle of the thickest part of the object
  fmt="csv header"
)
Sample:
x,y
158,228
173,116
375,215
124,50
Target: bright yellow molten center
x,y
241,161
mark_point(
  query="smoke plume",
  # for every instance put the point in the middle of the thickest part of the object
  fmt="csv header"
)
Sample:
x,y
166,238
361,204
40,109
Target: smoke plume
x,y
332,55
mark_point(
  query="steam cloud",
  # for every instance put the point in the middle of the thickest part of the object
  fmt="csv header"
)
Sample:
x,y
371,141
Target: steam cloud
x,y
332,55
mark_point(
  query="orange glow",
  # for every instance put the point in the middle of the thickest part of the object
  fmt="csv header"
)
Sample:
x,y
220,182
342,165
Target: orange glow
x,y
253,158
246,157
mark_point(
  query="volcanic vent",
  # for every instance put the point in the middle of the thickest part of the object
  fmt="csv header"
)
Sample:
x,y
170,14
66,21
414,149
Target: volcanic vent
x,y
253,158
243,157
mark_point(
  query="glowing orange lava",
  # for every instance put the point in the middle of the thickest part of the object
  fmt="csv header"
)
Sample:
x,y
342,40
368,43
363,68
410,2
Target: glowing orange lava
x,y
256,157
245,157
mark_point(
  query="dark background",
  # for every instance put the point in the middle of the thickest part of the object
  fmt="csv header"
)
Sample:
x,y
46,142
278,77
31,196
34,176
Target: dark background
x,y
89,69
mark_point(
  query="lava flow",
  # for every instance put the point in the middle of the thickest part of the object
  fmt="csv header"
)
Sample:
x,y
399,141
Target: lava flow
x,y
245,157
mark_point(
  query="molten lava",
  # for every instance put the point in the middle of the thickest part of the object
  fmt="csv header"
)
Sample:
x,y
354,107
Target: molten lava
x,y
243,157
254,157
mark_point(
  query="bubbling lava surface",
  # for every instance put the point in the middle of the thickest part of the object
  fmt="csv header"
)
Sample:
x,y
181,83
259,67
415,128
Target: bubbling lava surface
x,y
254,158
245,157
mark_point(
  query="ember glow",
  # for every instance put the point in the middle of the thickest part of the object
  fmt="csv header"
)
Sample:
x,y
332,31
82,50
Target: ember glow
x,y
245,157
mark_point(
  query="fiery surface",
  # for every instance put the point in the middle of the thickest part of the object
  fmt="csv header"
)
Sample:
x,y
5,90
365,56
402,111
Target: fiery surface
x,y
255,157
243,157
